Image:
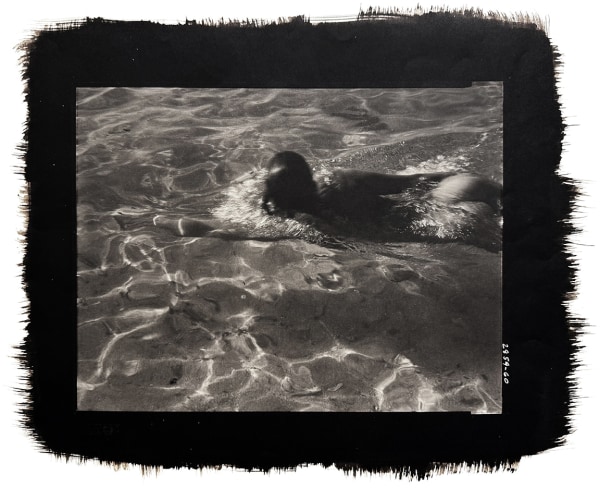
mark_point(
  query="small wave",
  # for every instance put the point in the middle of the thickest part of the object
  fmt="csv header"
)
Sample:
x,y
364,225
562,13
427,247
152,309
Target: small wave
x,y
242,206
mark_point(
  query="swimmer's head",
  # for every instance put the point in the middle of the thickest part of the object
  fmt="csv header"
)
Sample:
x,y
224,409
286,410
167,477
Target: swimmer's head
x,y
289,186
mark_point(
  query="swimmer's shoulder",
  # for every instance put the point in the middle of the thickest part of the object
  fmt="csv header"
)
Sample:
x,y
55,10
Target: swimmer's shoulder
x,y
341,194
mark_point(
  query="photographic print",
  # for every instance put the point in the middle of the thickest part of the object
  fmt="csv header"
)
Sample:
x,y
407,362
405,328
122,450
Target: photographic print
x,y
289,249
320,238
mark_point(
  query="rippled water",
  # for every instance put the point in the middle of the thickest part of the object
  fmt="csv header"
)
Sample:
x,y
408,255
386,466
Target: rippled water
x,y
268,313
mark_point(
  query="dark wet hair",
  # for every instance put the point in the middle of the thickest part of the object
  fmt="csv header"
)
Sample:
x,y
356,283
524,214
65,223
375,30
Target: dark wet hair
x,y
289,186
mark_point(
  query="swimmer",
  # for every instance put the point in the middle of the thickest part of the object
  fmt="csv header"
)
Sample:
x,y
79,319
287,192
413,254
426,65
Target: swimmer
x,y
352,194
357,195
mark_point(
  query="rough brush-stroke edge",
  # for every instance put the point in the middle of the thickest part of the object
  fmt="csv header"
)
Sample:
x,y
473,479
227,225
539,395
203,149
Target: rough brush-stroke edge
x,y
569,229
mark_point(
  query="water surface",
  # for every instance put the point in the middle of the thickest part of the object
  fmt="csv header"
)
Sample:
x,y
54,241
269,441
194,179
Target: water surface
x,y
269,313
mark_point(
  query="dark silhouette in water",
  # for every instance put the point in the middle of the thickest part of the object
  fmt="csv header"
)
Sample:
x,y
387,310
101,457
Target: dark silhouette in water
x,y
357,202
290,186
357,195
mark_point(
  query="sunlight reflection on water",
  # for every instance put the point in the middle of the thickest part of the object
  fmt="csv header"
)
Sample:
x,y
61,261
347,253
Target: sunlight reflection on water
x,y
295,317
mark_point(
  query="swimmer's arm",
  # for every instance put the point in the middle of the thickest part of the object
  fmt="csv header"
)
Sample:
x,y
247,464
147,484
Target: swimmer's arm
x,y
187,227
383,184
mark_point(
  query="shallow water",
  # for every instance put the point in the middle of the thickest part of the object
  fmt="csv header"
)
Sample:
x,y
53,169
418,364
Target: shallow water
x,y
268,313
